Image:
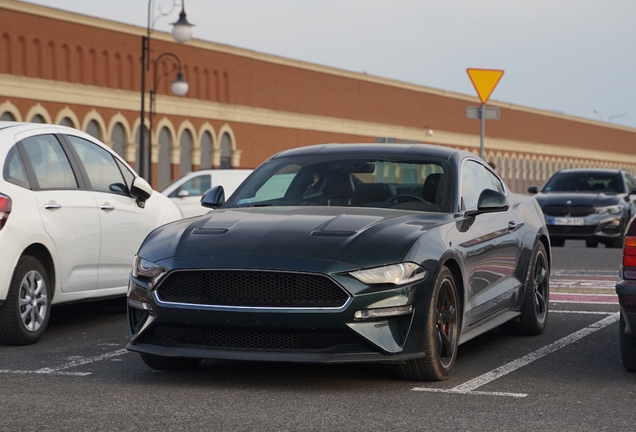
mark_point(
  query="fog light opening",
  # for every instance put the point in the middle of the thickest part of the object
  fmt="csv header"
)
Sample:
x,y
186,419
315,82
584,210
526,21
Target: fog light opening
x,y
139,305
382,313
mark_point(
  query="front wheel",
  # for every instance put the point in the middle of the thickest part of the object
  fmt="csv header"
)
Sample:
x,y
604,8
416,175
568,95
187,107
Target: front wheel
x,y
557,242
591,243
534,310
616,243
441,335
25,313
170,363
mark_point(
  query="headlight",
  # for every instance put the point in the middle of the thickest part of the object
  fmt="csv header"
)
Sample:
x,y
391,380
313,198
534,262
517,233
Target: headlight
x,y
146,269
613,209
397,274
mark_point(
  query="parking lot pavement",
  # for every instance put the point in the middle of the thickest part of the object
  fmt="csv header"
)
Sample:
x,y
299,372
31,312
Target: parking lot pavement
x,y
583,287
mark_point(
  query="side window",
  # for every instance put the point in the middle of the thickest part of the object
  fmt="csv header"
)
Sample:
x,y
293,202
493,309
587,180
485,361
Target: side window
x,y
14,171
101,168
476,178
630,182
128,175
50,163
195,186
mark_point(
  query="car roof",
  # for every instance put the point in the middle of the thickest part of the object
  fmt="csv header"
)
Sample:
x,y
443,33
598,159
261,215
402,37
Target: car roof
x,y
361,149
17,127
589,170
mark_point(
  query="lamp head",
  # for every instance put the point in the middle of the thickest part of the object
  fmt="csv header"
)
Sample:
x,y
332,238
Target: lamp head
x,y
182,29
180,86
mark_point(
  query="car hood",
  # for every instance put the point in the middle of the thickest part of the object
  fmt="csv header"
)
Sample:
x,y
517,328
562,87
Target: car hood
x,y
359,237
577,198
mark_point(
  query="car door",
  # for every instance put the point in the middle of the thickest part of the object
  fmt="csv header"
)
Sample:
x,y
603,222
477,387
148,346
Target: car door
x,y
495,249
124,223
69,214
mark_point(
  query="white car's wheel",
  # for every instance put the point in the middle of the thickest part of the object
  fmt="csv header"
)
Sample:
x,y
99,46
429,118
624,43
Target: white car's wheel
x,y
25,313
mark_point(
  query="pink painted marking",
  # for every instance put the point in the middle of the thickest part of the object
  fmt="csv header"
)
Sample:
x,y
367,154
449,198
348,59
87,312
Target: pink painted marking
x,y
584,298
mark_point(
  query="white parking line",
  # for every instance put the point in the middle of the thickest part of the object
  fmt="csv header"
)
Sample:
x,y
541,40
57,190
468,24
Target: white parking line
x,y
470,386
76,362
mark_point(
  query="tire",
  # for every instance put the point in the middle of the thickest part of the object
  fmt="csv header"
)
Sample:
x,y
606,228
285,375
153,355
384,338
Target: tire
x,y
557,242
615,244
170,363
534,310
628,347
441,334
25,313
591,243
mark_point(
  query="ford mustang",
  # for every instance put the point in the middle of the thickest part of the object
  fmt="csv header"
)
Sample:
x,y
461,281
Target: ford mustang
x,y
344,253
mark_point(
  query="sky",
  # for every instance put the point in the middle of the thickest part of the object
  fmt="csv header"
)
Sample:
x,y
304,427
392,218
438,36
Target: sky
x,y
566,56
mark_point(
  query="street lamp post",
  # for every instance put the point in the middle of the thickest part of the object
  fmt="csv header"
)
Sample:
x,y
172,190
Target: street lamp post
x,y
179,87
181,32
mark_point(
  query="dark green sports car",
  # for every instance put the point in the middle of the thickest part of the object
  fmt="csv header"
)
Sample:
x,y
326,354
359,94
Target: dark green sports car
x,y
344,253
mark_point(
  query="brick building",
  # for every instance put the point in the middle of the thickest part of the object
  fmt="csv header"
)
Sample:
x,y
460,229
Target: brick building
x,y
243,106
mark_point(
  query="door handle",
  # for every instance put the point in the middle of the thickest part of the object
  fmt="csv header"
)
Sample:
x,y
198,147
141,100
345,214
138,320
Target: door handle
x,y
107,207
52,206
512,225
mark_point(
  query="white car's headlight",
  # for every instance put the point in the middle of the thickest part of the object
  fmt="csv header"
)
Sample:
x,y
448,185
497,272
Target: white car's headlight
x,y
613,209
146,269
397,274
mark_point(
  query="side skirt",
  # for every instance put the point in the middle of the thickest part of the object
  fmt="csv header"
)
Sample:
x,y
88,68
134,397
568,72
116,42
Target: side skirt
x,y
488,325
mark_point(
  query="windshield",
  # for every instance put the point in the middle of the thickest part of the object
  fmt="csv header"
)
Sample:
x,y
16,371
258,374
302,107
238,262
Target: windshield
x,y
596,182
384,182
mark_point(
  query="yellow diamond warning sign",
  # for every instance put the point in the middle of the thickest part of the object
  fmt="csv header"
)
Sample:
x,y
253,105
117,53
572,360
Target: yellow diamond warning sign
x,y
485,81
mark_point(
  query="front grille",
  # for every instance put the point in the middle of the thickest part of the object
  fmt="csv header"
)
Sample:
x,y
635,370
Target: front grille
x,y
253,339
555,210
581,210
571,230
252,289
562,210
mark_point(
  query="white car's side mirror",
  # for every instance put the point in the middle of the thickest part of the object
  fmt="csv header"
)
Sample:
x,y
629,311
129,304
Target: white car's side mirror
x,y
141,190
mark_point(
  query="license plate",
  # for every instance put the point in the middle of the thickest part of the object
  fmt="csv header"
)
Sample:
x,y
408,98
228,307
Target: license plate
x,y
567,221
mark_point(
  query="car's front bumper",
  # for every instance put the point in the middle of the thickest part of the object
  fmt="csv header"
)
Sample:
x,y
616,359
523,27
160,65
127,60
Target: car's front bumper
x,y
626,290
594,226
320,335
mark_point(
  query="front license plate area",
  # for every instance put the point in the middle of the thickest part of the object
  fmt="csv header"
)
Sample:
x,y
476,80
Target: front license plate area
x,y
567,221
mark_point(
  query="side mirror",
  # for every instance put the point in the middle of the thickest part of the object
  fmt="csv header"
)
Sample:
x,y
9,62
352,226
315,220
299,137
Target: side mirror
x,y
489,201
214,197
141,190
533,189
183,193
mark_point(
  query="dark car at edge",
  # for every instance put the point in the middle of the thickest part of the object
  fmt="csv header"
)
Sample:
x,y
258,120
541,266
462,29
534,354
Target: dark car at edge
x,y
344,253
588,204
626,290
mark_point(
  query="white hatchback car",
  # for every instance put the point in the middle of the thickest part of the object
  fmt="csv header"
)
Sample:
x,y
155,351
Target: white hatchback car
x,y
186,191
72,216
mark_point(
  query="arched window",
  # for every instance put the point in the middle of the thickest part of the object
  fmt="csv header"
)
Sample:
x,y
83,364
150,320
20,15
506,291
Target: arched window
x,y
67,122
118,138
185,162
7,116
163,166
206,151
226,152
94,130
37,119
